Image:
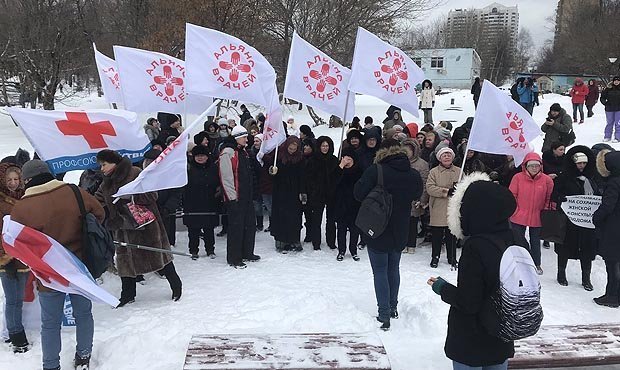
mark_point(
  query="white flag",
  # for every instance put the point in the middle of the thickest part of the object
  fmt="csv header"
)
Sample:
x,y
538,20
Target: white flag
x,y
501,125
70,140
273,131
155,82
109,77
223,66
169,170
313,78
384,71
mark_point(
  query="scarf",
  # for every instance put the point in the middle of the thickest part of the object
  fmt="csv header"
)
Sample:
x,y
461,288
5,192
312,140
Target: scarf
x,y
587,186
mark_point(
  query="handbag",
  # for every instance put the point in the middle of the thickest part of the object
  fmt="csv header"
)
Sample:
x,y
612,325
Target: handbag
x,y
553,225
141,214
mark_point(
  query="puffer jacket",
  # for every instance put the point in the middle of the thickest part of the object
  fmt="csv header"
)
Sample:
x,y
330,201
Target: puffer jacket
x,y
533,194
579,92
610,98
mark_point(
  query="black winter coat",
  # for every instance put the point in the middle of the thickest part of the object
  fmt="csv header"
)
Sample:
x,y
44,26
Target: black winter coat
x,y
169,200
468,342
405,185
345,204
199,194
286,206
607,217
579,242
553,164
320,178
610,98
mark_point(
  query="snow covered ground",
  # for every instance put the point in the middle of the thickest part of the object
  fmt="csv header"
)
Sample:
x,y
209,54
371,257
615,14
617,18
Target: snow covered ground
x,y
300,293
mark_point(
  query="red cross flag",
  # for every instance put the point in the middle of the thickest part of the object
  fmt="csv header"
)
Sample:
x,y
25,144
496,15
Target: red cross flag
x,y
53,265
155,82
70,140
384,71
223,66
502,126
313,78
110,80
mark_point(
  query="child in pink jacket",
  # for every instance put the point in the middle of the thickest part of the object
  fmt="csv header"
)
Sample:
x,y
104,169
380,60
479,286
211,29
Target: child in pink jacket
x,y
532,190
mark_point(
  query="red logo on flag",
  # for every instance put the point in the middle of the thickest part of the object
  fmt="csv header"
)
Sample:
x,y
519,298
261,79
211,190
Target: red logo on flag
x,y
235,67
392,74
323,78
168,78
112,75
513,131
78,124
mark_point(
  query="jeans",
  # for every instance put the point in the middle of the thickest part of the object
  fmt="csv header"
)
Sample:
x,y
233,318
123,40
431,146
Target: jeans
x,y
613,279
52,305
577,107
613,122
385,270
529,107
14,288
428,115
354,233
534,244
460,366
208,235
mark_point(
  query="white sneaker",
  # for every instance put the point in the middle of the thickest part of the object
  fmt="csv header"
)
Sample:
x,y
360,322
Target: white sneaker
x,y
615,141
606,140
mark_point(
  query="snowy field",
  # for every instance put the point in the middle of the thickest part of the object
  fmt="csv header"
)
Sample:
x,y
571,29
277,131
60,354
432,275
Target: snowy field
x,y
300,293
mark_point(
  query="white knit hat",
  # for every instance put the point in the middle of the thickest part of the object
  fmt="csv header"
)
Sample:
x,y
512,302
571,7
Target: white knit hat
x,y
259,137
580,158
239,131
444,150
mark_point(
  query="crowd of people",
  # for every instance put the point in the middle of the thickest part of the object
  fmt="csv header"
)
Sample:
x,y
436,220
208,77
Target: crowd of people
x,y
313,185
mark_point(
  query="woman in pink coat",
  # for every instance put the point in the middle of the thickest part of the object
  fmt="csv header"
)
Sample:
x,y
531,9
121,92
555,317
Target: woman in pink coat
x,y
578,93
532,190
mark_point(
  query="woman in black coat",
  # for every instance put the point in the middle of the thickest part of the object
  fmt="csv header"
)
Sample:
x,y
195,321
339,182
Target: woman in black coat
x,y
199,197
479,213
405,185
320,183
553,160
579,242
606,219
345,204
287,199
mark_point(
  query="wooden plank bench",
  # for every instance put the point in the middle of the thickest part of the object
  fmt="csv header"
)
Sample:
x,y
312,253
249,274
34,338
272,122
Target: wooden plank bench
x,y
569,346
287,351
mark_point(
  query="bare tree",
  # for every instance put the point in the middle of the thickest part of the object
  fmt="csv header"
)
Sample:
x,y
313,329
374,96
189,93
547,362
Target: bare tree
x,y
524,50
429,36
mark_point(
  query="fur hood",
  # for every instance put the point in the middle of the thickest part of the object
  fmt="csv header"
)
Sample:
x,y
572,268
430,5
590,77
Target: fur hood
x,y
454,204
388,152
414,147
600,163
608,163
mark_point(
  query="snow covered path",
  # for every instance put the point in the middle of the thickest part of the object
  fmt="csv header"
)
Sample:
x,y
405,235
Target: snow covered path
x,y
304,292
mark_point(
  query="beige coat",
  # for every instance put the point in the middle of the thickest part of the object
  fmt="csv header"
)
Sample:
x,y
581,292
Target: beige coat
x,y
440,181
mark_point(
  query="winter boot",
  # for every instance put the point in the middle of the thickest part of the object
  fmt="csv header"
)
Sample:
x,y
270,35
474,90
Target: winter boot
x,y
174,280
394,314
435,262
355,257
585,281
255,258
608,301
562,278
385,324
19,342
81,363
340,257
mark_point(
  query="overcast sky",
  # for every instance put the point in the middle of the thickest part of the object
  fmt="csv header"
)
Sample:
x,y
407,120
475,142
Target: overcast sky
x,y
532,14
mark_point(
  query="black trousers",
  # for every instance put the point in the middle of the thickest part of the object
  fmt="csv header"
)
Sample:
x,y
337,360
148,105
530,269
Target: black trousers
x,y
439,234
586,267
343,228
208,235
412,239
316,221
613,279
242,231
128,284
170,224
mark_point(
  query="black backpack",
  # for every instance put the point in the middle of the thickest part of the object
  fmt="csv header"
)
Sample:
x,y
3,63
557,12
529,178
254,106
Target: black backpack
x,y
97,242
375,210
568,139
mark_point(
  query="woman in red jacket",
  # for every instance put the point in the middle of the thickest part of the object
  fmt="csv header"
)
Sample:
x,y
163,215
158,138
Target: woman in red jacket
x,y
532,190
579,92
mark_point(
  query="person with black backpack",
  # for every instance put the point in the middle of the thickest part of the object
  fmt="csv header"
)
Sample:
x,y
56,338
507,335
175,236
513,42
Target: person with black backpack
x,y
478,337
558,127
391,177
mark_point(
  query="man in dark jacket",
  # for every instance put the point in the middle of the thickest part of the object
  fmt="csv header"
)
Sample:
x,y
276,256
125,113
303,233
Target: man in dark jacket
x,y
50,207
476,89
237,183
557,127
482,216
610,98
405,185
606,220
245,114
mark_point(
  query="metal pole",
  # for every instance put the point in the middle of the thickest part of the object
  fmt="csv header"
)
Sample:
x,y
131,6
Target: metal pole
x,y
182,214
136,246
344,125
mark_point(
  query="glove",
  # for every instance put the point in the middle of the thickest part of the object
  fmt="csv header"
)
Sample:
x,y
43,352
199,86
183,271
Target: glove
x,y
438,285
433,104
452,189
303,198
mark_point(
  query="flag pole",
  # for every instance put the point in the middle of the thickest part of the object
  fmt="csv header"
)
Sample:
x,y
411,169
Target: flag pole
x,y
151,249
274,168
344,124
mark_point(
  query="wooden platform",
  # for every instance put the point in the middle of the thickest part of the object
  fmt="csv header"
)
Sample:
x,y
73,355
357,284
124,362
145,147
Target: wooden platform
x,y
569,346
287,351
